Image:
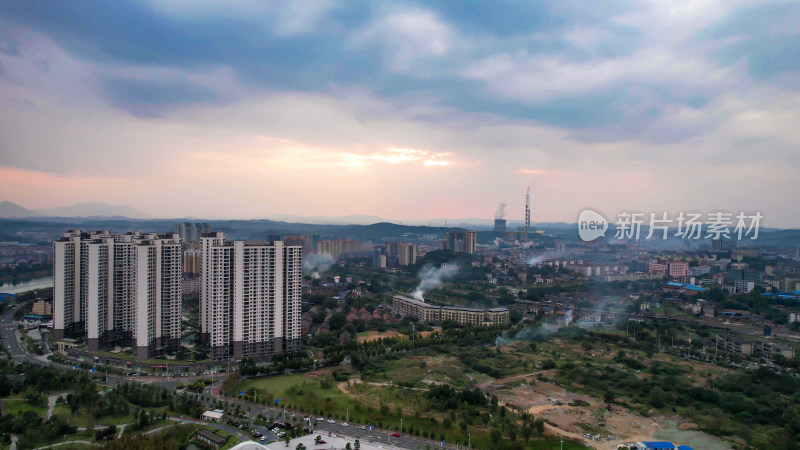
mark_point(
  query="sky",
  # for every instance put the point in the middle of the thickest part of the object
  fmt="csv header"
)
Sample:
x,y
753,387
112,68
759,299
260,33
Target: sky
x,y
405,110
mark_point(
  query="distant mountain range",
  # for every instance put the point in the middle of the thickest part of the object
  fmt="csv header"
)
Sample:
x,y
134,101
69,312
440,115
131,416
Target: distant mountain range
x,y
353,219
10,210
99,210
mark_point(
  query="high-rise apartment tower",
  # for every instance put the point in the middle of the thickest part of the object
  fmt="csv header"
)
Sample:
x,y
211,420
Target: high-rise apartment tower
x,y
119,289
250,295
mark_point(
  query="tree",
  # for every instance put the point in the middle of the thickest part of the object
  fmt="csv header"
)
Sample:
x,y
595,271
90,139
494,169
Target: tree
x,y
337,321
300,446
317,440
658,397
357,445
527,432
348,447
608,397
496,435
538,426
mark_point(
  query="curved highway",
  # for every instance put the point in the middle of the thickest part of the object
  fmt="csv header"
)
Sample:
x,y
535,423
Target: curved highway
x,y
10,342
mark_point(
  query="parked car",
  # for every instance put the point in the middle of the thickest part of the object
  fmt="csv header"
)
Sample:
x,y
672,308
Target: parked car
x,y
396,434
345,424
263,438
331,421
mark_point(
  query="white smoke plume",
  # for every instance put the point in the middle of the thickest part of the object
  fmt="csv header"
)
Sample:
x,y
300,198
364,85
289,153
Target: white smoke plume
x,y
433,277
315,263
538,260
536,334
501,210
568,317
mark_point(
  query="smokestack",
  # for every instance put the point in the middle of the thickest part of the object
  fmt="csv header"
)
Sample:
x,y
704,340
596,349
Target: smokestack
x,y
528,211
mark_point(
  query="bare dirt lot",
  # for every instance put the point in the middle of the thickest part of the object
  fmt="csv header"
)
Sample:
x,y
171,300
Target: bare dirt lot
x,y
552,403
374,335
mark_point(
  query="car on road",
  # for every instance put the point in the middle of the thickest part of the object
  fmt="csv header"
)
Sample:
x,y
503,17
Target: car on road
x,y
331,421
363,427
345,424
396,434
320,419
263,438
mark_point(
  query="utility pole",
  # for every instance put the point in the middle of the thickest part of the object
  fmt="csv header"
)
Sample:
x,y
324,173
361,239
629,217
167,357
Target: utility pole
x,y
469,440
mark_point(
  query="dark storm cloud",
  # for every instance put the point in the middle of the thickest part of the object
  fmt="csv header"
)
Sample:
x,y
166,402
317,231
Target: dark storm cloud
x,y
151,98
449,52
765,36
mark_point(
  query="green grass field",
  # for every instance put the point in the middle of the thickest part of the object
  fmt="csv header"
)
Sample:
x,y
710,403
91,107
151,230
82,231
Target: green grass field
x,y
18,407
277,384
81,418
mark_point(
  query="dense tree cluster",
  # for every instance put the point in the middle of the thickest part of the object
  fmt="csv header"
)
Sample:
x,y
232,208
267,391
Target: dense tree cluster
x,y
147,396
32,430
445,397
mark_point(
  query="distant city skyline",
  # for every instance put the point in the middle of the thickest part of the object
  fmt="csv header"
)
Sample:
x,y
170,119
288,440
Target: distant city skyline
x,y
407,111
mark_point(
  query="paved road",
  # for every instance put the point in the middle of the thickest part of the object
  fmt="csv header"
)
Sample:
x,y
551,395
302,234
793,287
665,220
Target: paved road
x,y
10,340
324,428
9,333
93,444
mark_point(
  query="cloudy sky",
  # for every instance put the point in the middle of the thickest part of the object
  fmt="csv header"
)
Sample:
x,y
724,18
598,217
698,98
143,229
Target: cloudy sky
x,y
406,110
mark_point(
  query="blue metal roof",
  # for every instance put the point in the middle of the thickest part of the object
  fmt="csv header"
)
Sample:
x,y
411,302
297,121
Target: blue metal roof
x,y
694,287
662,444
684,447
691,287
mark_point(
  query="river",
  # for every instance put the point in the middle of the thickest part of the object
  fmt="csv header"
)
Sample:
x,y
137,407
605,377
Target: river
x,y
27,285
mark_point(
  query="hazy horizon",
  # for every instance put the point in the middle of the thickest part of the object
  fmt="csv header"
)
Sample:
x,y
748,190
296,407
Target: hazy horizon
x,y
412,110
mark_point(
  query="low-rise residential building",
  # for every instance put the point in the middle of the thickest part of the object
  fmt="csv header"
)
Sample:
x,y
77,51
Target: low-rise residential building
x,y
764,349
406,306
678,269
211,438
42,308
731,344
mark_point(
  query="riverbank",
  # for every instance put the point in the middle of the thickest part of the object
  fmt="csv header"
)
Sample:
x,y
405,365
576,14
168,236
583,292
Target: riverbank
x,y
26,285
